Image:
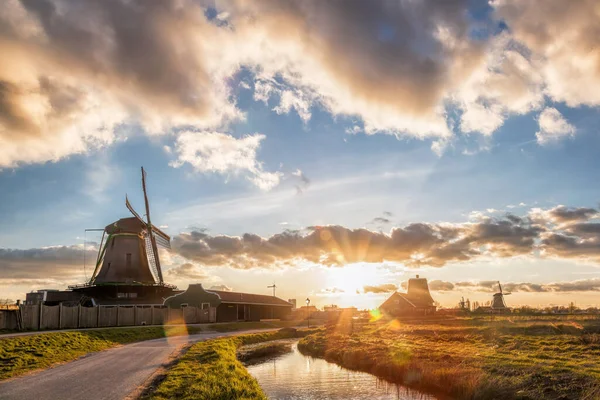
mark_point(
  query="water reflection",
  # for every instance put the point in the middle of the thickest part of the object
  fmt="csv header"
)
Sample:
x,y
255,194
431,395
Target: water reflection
x,y
296,377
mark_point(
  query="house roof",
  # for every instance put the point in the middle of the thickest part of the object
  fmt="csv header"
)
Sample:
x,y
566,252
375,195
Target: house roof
x,y
413,301
249,298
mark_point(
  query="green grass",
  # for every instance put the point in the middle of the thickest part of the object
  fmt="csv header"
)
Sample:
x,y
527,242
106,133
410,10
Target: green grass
x,y
211,370
468,358
22,354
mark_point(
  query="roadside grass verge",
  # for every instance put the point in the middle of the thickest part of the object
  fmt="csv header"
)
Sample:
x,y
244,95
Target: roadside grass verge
x,y
467,359
22,354
210,370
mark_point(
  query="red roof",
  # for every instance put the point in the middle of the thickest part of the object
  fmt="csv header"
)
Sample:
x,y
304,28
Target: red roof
x,y
249,298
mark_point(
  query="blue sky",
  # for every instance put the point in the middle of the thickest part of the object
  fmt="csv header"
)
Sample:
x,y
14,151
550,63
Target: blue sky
x,y
243,136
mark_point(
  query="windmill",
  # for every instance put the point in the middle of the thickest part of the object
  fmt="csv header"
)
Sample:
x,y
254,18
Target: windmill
x,y
498,303
128,258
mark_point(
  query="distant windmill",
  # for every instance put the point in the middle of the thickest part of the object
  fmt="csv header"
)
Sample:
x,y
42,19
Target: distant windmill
x,y
498,303
273,286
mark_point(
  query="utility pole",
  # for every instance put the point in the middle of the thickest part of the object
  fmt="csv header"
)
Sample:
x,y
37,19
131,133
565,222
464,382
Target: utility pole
x,y
273,286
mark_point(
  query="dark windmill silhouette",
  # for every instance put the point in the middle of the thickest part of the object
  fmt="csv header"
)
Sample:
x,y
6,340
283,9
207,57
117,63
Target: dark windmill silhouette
x,y
128,266
498,303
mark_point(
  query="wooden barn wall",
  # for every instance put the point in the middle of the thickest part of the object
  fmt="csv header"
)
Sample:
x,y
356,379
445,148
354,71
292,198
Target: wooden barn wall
x,y
126,316
8,320
50,318
88,317
69,317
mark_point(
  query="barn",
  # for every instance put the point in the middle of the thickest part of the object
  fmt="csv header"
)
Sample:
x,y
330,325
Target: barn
x,y
416,301
232,306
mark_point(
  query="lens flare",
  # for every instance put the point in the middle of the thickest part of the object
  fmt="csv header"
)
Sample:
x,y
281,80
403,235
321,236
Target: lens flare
x,y
375,315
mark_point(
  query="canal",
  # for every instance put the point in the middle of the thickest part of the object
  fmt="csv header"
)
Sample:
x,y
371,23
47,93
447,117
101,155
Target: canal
x,y
294,376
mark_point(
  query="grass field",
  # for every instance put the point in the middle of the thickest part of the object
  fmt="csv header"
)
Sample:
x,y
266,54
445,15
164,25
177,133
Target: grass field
x,y
19,355
210,370
503,358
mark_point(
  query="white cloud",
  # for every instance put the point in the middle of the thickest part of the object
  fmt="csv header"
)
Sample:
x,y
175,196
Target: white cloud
x,y
553,126
508,82
565,37
224,154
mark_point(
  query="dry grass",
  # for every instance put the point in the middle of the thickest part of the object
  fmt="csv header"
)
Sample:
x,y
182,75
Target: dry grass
x,y
472,358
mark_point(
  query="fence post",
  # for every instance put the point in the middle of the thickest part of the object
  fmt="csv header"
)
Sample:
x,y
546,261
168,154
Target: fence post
x,y
152,315
40,319
59,315
78,315
135,316
98,317
118,307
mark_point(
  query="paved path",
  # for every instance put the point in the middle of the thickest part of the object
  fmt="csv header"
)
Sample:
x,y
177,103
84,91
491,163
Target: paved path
x,y
108,374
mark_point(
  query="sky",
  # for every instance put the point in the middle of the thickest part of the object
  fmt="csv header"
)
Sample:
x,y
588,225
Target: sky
x,y
335,148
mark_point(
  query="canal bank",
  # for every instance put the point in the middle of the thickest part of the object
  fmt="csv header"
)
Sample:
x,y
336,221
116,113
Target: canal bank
x,y
299,377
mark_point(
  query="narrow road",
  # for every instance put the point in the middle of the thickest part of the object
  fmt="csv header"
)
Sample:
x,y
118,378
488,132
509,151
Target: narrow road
x,y
108,374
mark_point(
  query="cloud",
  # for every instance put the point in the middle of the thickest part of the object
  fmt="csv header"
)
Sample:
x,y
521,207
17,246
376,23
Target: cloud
x,y
330,291
224,154
48,265
584,285
74,73
419,244
380,220
383,288
440,286
333,55
223,288
506,83
569,56
187,271
414,245
553,126
303,183
564,215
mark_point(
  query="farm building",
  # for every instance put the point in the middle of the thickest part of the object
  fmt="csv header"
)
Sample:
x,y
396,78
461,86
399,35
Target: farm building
x,y
416,301
232,306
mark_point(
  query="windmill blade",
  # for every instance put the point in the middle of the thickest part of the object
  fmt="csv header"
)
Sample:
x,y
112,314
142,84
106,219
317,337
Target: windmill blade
x,y
162,239
130,208
500,287
151,258
151,230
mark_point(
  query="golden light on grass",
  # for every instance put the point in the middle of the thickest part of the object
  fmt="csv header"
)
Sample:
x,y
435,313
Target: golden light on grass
x,y
394,325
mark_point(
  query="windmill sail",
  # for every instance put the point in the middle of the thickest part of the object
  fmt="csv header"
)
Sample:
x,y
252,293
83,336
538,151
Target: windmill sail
x,y
162,239
130,208
154,253
151,260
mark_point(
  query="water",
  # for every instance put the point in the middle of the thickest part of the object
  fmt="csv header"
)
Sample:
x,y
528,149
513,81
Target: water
x,y
297,377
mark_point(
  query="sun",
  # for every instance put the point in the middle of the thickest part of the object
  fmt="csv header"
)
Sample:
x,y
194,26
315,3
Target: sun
x,y
353,277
